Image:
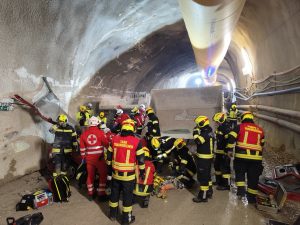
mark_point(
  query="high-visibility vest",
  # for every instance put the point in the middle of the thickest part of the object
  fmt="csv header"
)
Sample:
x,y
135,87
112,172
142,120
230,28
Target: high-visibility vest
x,y
249,141
149,173
124,153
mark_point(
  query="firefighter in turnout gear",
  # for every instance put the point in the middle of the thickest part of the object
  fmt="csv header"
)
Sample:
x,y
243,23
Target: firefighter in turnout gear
x,y
233,115
153,129
123,154
102,118
184,163
144,188
204,139
248,139
92,143
160,149
222,161
65,141
83,116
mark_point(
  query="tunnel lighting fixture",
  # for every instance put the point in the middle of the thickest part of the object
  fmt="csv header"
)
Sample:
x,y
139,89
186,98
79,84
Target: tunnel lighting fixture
x,y
198,82
247,69
228,87
232,84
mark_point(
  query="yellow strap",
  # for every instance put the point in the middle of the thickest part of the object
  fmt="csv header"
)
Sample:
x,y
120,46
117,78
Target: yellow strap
x,y
220,151
124,178
233,133
140,152
226,176
248,156
204,188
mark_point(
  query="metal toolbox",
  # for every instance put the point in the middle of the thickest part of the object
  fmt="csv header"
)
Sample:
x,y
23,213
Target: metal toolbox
x,y
274,203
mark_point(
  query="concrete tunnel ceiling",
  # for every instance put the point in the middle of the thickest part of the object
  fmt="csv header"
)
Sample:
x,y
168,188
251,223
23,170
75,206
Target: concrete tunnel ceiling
x,y
91,48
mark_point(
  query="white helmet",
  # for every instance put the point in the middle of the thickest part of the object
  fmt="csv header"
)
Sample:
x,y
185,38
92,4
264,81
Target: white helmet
x,y
94,121
89,105
142,107
119,111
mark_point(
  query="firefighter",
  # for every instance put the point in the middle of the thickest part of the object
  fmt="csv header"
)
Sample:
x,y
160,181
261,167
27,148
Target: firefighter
x,y
102,118
184,163
65,141
233,115
144,188
123,154
92,143
161,148
204,139
222,161
137,117
153,124
119,118
82,116
249,140
89,109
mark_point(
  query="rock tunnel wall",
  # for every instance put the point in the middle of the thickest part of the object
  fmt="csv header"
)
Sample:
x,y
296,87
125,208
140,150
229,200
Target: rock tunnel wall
x,y
66,41
270,31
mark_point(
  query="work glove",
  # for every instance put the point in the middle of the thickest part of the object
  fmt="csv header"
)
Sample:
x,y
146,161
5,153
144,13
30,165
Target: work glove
x,y
142,174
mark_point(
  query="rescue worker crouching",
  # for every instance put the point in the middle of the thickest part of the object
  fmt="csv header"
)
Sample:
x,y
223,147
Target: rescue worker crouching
x,y
119,118
248,140
204,139
123,154
160,149
222,161
92,143
144,188
184,163
65,141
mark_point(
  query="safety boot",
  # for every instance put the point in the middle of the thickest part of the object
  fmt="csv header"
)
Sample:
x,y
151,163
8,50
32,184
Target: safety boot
x,y
127,218
145,202
241,192
113,212
210,192
201,197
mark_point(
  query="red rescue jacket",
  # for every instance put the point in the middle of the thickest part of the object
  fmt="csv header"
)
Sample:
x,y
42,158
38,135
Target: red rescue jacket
x,y
149,173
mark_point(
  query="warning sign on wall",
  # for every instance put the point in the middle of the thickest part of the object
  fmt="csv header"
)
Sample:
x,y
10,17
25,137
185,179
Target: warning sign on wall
x,y
6,105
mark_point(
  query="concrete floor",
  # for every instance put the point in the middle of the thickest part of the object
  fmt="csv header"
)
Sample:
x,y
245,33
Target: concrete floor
x,y
178,208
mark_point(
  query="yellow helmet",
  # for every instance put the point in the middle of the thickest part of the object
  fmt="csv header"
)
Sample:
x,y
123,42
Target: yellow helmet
x,y
149,110
62,120
155,143
179,143
247,115
128,125
233,106
202,121
146,152
101,114
82,108
220,117
135,110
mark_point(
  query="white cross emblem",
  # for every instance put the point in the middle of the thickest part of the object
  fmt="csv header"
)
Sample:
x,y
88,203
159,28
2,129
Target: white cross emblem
x,y
92,139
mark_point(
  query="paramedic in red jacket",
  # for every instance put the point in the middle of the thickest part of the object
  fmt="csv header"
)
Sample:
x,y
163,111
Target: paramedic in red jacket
x,y
92,143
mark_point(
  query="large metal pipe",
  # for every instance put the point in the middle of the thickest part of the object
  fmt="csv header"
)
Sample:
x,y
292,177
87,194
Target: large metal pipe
x,y
286,112
284,123
210,24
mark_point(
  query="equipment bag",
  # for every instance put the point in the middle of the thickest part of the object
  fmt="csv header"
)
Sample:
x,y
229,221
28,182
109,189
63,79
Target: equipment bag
x,y
60,187
26,203
81,175
34,219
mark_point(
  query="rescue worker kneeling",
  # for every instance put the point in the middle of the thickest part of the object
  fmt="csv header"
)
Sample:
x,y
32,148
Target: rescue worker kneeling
x,y
92,143
144,188
184,163
122,155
